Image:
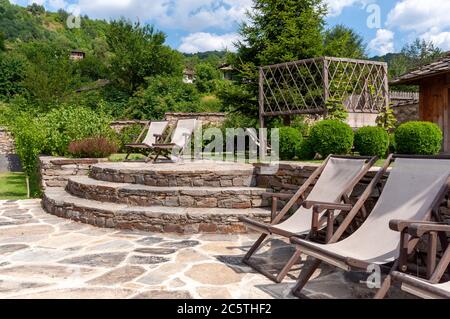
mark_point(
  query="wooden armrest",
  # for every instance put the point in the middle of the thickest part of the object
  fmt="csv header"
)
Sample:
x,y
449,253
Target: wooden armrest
x,y
419,230
321,206
404,225
164,145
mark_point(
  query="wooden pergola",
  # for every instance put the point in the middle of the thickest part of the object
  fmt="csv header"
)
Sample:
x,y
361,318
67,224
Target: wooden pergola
x,y
307,86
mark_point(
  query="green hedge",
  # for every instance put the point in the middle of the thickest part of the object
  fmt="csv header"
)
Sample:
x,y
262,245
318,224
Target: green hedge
x,y
372,141
290,142
418,138
331,137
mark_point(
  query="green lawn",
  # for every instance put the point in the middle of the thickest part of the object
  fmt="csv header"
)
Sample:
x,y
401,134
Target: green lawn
x,y
13,186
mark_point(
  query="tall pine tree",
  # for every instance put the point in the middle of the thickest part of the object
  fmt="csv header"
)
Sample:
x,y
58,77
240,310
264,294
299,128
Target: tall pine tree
x,y
277,31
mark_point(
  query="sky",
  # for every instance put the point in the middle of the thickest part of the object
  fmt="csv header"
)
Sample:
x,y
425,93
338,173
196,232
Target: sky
x,y
203,25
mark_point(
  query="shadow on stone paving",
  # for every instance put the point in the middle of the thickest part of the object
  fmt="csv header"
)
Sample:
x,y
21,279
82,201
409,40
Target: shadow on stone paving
x,y
272,259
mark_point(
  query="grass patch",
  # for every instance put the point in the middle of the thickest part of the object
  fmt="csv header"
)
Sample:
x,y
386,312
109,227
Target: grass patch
x,y
13,186
121,157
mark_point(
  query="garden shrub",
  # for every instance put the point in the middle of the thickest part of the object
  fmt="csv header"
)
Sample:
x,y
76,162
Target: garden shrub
x,y
129,135
306,151
392,147
97,147
372,141
29,139
418,138
331,137
290,142
67,124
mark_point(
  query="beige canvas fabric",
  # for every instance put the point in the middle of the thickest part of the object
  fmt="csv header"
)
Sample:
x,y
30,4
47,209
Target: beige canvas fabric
x,y
184,129
412,187
157,128
252,134
337,175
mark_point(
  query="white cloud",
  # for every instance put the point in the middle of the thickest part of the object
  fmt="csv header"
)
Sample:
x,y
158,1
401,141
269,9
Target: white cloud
x,y
441,39
428,20
383,42
202,41
335,7
192,15
420,16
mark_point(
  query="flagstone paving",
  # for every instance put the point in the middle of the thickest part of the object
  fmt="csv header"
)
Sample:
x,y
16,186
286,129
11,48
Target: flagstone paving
x,y
43,256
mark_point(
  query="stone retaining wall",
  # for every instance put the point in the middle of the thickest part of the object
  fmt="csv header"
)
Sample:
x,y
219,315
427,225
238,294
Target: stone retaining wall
x,y
55,171
213,119
406,112
7,146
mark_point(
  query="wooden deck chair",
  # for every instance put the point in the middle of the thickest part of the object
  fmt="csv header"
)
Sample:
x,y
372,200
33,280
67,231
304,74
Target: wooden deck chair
x,y
253,135
415,189
154,134
180,140
432,287
337,178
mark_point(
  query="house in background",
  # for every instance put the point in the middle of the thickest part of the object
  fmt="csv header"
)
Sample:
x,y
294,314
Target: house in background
x,y
434,101
77,55
228,72
188,76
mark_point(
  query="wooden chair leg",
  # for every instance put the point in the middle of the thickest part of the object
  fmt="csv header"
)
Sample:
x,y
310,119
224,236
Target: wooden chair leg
x,y
304,277
387,282
255,247
294,259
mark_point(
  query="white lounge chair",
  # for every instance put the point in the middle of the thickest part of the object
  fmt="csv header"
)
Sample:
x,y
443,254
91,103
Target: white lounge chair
x,y
154,134
179,142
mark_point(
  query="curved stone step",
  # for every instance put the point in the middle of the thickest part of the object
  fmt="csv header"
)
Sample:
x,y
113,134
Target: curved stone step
x,y
198,174
153,219
141,195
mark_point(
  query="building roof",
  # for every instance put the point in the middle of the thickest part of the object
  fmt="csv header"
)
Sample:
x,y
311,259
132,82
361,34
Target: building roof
x,y
188,72
77,51
226,67
440,66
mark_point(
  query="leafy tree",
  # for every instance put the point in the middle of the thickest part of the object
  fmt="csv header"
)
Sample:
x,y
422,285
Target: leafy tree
x,y
50,74
2,42
162,95
412,56
277,31
36,9
12,72
139,52
205,77
282,30
344,42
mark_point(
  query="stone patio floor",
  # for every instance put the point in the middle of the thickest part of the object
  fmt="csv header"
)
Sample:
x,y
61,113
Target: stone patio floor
x,y
43,256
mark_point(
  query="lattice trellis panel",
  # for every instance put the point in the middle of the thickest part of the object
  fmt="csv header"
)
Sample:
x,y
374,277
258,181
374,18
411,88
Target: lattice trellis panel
x,y
304,87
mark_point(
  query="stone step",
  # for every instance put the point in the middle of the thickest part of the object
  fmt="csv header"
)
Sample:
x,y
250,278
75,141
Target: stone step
x,y
198,174
141,195
153,219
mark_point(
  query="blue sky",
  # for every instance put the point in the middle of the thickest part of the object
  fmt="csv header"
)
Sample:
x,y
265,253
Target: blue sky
x,y
201,25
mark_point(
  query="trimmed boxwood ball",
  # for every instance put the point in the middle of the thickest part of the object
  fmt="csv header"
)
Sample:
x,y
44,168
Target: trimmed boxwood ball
x,y
372,141
418,138
332,137
290,142
306,151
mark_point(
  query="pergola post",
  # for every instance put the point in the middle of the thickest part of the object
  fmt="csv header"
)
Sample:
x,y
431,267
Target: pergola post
x,y
326,84
262,136
386,86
